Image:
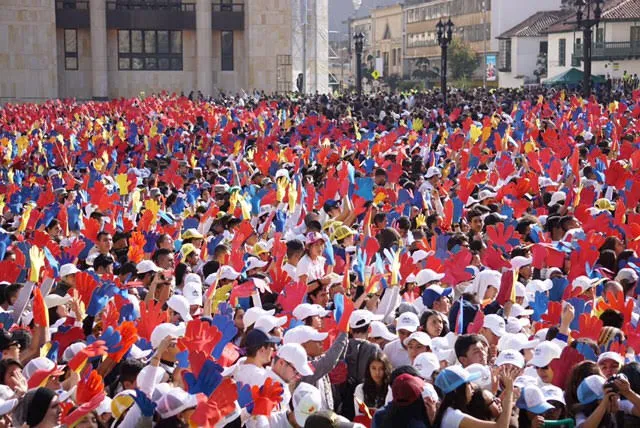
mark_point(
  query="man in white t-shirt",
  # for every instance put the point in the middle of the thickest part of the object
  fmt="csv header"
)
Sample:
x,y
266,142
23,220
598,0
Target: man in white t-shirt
x,y
250,370
396,351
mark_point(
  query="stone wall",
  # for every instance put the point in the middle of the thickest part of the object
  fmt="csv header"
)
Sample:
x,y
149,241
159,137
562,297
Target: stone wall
x,y
75,83
28,63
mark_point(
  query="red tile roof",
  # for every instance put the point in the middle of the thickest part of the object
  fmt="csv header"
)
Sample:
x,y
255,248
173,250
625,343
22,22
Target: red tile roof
x,y
613,10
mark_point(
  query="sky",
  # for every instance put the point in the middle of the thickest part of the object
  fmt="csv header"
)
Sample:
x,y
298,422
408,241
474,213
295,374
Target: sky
x,y
341,10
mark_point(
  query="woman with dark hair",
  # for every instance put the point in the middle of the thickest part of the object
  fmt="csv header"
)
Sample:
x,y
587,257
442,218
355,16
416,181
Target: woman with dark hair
x,y
578,373
374,390
599,402
612,243
388,238
11,375
608,260
454,384
484,405
433,323
408,408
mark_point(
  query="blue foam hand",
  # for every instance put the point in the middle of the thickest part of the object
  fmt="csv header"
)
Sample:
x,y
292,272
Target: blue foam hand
x,y
128,313
403,196
50,213
3,250
147,407
151,240
178,206
338,302
556,292
213,243
6,320
111,339
182,359
207,381
228,329
580,306
586,351
53,263
190,223
73,217
441,246
144,344
458,207
225,309
534,232
53,351
364,188
99,300
88,245
359,265
245,398
279,220
328,251
539,305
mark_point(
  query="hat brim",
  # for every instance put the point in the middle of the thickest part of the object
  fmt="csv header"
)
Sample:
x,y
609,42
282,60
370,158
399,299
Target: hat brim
x,y
540,408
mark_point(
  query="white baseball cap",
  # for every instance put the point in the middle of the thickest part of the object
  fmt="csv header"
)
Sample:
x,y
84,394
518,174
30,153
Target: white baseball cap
x,y
486,194
68,269
303,334
432,172
484,372
443,348
254,262
306,310
553,393
585,283
627,274
426,276
269,322
378,329
307,400
426,363
175,401
544,353
72,350
225,273
252,314
510,356
407,321
556,198
515,325
609,355
419,336
533,400
166,329
180,304
294,354
147,266
520,262
192,291
420,255
362,317
496,324
518,310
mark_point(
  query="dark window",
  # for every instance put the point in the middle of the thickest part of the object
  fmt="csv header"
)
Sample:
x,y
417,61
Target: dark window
x,y
600,36
227,50
149,50
562,52
504,62
544,47
70,49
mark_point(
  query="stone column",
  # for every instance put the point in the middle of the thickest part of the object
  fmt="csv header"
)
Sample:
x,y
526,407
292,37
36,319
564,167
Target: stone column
x,y
204,36
99,72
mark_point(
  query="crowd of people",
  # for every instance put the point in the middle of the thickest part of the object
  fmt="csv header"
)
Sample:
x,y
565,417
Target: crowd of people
x,y
321,261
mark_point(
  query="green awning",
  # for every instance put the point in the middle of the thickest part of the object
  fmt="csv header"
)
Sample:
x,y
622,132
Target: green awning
x,y
573,76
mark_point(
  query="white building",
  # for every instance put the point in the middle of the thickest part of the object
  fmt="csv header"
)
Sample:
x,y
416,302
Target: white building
x,y
616,42
523,49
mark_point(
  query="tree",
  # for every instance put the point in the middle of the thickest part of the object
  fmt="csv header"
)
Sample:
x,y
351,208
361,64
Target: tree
x,y
462,59
567,4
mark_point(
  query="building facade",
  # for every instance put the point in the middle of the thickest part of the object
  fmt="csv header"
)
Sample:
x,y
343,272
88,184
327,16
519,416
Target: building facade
x,y
387,36
100,49
523,50
616,42
477,22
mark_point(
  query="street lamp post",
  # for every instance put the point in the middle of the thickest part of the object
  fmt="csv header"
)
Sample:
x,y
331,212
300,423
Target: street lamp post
x,y
587,17
445,34
359,43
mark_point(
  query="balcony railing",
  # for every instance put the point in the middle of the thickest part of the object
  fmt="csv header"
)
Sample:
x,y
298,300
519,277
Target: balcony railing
x,y
151,15
609,50
72,13
226,16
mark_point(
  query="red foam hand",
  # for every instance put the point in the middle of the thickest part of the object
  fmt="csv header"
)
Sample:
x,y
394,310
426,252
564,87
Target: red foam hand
x,y
129,335
616,302
579,259
292,296
493,259
9,271
475,326
89,387
70,336
448,214
200,336
85,284
618,347
197,359
151,315
221,403
589,327
343,324
265,398
110,315
76,248
279,278
554,312
40,239
454,267
407,267
245,289
500,236
562,366
95,349
40,311
91,229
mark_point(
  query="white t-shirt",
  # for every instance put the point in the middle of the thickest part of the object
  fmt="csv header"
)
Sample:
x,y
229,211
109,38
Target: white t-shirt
x,y
625,406
452,418
291,270
359,394
398,356
249,374
286,394
313,269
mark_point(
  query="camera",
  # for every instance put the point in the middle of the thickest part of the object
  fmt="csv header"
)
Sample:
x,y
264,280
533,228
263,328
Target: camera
x,y
609,384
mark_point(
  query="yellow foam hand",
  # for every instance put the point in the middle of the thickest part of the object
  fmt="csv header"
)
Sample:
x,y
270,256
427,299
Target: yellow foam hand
x,y
250,153
233,201
136,205
153,206
22,143
421,220
245,206
10,175
36,255
221,295
293,197
474,133
281,188
25,218
418,125
394,264
123,184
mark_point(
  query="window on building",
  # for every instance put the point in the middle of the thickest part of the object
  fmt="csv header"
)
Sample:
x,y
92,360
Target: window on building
x,y
544,47
149,50
227,50
504,62
600,36
70,49
562,52
634,36
393,57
